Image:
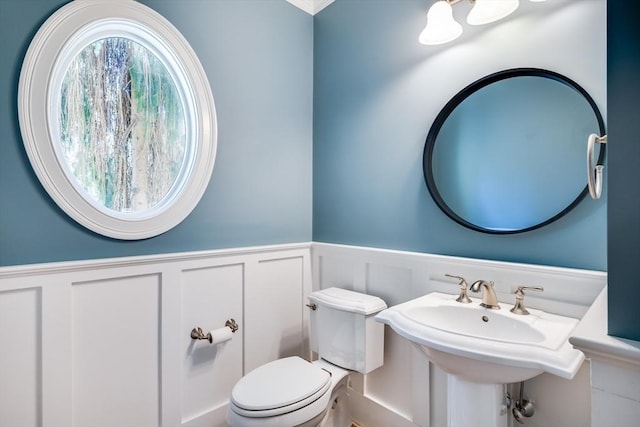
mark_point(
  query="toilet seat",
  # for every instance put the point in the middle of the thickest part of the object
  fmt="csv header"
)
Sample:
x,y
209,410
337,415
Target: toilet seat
x,y
279,387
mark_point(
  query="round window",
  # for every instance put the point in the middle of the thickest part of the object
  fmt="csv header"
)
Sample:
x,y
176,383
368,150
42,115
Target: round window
x,y
130,140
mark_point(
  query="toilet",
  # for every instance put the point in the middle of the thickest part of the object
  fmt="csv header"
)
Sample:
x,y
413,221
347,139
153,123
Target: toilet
x,y
292,392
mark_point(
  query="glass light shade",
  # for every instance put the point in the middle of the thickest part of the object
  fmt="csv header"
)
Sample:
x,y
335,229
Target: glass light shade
x,y
486,11
441,27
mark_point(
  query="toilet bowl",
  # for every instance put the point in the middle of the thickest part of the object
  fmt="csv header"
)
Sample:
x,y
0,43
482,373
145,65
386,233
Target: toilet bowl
x,y
289,392
292,392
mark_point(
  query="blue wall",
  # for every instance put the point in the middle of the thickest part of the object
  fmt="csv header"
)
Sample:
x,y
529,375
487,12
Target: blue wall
x,y
258,57
624,185
376,93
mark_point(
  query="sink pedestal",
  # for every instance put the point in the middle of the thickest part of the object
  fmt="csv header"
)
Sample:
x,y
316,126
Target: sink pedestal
x,y
474,404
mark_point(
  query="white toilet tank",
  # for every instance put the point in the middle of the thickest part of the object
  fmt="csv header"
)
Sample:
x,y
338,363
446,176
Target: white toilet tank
x,y
343,329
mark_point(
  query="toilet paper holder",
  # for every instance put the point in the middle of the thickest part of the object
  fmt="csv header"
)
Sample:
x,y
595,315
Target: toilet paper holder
x,y
198,334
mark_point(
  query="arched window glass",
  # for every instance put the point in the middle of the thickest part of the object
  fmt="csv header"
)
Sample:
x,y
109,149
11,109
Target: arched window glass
x,y
131,136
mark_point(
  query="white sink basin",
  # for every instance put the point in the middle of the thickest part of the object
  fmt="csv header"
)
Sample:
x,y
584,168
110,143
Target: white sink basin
x,y
486,346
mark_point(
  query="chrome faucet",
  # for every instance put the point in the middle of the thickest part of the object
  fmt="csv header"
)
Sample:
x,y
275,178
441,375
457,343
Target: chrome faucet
x,y
519,307
463,297
489,299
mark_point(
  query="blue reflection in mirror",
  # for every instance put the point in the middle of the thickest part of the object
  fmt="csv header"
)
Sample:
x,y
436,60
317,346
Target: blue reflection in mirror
x,y
507,154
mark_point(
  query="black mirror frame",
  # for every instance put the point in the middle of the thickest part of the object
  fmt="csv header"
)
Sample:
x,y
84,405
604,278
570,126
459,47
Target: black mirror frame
x,y
459,98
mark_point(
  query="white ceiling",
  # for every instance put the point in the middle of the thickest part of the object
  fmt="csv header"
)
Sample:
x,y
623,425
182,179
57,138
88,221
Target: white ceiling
x,y
311,6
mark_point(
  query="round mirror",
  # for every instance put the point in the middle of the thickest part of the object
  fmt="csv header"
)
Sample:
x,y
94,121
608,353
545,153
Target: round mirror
x,y
507,153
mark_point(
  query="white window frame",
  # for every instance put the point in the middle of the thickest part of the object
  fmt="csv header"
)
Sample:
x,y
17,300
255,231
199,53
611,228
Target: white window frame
x,y
61,37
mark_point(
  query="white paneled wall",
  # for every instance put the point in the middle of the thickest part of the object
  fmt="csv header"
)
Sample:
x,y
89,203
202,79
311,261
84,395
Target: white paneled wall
x,y
210,296
115,336
615,369
407,390
274,301
106,343
21,371
615,392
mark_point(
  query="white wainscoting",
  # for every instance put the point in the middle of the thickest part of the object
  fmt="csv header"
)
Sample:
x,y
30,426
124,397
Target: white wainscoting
x,y
615,369
21,371
106,343
408,391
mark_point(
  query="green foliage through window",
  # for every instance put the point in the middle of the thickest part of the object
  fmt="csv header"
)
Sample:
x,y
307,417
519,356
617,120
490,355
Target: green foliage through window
x,y
122,125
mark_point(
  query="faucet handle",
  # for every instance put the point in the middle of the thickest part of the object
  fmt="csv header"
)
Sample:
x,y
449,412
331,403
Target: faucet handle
x,y
519,307
463,297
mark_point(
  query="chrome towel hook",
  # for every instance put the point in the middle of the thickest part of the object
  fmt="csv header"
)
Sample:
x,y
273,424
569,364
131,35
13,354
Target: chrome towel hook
x,y
594,171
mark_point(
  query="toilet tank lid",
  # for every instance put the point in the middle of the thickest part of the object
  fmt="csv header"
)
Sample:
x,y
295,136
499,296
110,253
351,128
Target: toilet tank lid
x,y
342,299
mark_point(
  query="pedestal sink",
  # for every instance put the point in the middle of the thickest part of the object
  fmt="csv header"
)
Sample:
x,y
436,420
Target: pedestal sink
x,y
482,349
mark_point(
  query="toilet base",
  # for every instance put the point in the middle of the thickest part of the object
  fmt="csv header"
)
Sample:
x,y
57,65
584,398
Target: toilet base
x,y
338,414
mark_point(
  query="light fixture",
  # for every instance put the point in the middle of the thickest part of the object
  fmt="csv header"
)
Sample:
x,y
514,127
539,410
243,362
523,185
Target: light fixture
x,y
487,11
441,27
